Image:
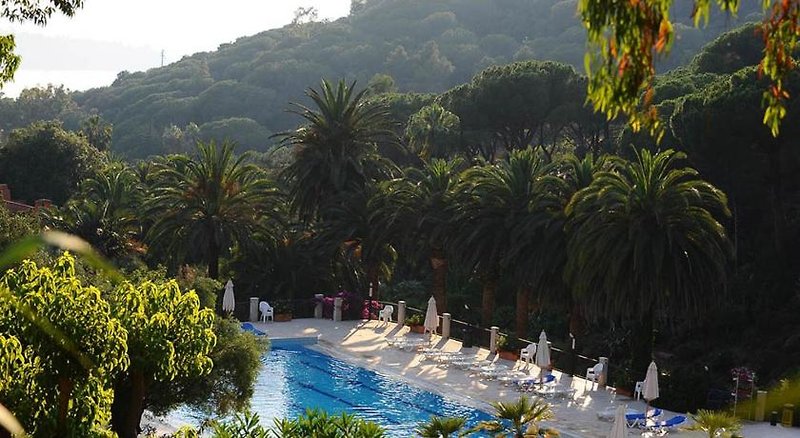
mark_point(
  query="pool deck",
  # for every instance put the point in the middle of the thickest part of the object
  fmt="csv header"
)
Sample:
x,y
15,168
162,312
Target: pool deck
x,y
364,343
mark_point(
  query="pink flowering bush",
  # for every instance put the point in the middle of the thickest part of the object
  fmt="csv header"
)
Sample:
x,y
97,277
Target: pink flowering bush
x,y
351,308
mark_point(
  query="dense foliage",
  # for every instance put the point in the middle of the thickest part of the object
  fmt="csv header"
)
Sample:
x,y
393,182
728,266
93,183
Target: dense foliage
x,y
45,161
240,90
504,197
63,373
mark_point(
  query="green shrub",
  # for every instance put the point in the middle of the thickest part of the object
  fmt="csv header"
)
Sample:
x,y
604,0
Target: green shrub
x,y
317,423
415,319
230,384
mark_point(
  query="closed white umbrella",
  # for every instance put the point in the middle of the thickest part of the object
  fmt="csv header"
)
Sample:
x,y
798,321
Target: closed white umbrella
x,y
620,429
650,390
542,355
228,300
431,317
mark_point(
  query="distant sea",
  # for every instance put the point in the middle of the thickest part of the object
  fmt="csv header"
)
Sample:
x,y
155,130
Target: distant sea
x,y
76,80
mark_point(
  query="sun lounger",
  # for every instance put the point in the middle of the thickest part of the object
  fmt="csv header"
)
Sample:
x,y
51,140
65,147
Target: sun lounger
x,y
511,377
553,391
407,344
664,427
609,413
530,382
394,340
638,419
246,326
449,357
492,371
470,362
494,374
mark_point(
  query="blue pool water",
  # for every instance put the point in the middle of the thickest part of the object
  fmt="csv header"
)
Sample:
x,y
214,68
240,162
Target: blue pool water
x,y
295,378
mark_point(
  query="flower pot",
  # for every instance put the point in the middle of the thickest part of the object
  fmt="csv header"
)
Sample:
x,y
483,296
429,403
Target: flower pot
x,y
283,317
624,391
509,355
417,329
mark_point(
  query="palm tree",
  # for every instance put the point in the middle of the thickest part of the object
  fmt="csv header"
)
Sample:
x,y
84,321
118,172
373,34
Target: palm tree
x,y
335,151
432,130
716,424
495,202
534,230
357,238
105,212
441,427
419,207
518,418
575,174
205,204
644,240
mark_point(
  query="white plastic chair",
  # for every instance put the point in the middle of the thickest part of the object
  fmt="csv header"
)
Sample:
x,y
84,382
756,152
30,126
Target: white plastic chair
x,y
385,314
266,311
593,373
637,390
528,354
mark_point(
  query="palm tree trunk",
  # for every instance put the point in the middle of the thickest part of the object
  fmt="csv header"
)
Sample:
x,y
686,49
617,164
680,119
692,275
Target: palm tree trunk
x,y
487,299
776,197
213,259
439,267
523,306
642,344
575,319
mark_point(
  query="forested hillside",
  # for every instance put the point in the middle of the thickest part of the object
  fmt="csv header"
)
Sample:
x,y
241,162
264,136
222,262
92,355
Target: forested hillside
x,y
242,90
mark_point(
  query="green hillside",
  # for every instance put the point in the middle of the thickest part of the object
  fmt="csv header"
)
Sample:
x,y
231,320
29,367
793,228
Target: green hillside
x,y
242,89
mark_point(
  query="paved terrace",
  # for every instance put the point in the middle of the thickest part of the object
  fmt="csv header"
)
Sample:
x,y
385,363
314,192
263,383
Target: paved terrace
x,y
363,343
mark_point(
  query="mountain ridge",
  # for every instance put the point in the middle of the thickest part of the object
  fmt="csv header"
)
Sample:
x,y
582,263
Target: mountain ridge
x,y
425,46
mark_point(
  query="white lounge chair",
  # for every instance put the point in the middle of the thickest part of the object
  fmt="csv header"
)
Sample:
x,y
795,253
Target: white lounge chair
x,y
266,311
470,362
528,354
593,373
637,390
385,314
553,391
394,340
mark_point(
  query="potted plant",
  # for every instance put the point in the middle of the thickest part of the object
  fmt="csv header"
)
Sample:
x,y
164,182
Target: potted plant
x,y
508,347
283,311
414,322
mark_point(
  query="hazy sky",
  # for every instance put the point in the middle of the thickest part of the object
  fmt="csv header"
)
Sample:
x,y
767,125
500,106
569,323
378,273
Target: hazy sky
x,y
108,36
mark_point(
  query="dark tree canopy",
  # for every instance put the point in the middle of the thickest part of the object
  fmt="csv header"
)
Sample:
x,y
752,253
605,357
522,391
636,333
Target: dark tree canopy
x,y
423,47
46,161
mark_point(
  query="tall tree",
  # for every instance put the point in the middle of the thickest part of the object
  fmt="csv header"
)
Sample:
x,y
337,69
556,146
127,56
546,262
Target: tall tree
x,y
577,174
97,132
493,201
169,336
432,132
358,238
535,230
205,204
46,161
419,207
105,212
335,151
73,347
515,102
645,241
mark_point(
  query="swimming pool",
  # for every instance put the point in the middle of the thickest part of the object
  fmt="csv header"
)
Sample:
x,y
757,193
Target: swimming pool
x,y
295,378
